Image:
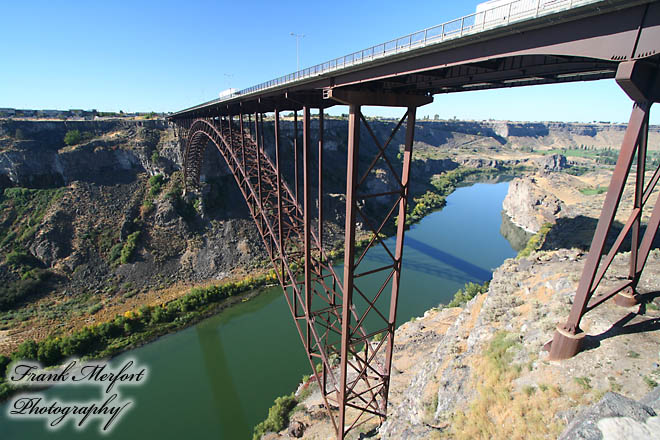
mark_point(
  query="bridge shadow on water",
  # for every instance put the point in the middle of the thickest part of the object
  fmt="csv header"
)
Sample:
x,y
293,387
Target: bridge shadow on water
x,y
448,267
624,325
225,395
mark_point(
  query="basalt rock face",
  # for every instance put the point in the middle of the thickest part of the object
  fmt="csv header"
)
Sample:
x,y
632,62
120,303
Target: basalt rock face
x,y
529,207
554,162
617,417
33,153
443,380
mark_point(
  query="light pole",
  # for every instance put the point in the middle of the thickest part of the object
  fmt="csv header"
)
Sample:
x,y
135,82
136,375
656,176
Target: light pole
x,y
298,37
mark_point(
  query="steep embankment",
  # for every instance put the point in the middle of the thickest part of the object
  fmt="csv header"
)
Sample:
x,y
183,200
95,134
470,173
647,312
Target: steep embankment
x,y
480,371
96,225
99,226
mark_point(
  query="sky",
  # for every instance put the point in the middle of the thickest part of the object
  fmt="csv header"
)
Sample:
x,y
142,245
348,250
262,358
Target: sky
x,y
169,55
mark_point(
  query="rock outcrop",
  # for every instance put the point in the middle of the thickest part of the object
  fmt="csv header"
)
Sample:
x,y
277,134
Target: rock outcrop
x,y
614,417
528,206
444,374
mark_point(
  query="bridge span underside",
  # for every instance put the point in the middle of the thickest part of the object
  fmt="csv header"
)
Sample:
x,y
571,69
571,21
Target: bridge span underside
x,y
347,330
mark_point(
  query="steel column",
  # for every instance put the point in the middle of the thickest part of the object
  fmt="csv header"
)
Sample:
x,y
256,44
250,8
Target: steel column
x,y
295,155
401,223
307,194
279,187
320,179
568,338
349,256
639,193
638,80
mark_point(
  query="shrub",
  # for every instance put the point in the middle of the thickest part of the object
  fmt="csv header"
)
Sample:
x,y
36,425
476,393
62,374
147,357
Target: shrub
x,y
29,284
18,259
156,183
49,352
535,241
115,252
72,137
469,291
27,350
94,308
498,352
129,247
4,361
278,416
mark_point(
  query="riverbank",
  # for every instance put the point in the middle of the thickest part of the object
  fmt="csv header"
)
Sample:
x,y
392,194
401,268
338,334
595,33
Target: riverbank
x,y
434,199
135,327
213,372
480,371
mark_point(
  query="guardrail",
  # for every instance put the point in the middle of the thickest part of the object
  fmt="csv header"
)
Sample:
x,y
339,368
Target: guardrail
x,y
479,21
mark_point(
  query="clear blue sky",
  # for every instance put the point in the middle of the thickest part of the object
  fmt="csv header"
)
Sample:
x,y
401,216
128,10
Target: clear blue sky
x,y
168,55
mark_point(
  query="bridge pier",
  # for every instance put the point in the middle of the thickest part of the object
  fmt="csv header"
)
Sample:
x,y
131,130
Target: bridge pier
x,y
365,368
329,311
641,81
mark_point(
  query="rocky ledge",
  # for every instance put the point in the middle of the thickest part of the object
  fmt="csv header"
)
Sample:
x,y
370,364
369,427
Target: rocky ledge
x,y
480,371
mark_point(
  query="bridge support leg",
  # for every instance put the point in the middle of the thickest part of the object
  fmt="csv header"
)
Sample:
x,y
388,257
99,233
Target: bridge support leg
x,y
364,362
640,82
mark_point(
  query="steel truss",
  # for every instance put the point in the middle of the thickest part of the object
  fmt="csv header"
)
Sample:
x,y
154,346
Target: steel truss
x,y
337,320
641,81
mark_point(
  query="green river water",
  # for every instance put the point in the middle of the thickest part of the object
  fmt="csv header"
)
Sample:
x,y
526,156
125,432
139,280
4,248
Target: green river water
x,y
217,379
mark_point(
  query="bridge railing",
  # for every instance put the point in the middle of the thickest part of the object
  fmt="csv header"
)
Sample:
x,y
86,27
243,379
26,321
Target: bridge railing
x,y
479,21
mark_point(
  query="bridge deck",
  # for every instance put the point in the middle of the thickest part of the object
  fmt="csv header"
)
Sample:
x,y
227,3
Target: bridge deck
x,y
593,40
570,41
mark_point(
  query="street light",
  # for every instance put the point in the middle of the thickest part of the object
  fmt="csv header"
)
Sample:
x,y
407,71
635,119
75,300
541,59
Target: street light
x,y
298,37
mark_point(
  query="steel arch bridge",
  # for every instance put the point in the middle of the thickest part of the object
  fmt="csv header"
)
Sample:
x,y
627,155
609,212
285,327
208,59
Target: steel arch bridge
x,y
524,42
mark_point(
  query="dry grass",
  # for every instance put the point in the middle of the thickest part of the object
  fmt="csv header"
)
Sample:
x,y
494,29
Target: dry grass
x,y
498,411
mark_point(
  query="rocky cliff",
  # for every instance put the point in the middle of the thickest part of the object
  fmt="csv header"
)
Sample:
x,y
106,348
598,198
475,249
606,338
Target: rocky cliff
x,y
480,371
103,219
529,206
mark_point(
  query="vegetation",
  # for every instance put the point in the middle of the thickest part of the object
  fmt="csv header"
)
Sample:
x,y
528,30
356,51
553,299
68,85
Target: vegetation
x,y
584,382
183,207
278,416
128,248
21,212
607,156
75,137
110,337
535,241
576,170
31,284
498,410
155,185
593,191
469,291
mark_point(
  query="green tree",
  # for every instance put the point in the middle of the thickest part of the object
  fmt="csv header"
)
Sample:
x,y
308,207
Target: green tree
x,y
72,137
27,350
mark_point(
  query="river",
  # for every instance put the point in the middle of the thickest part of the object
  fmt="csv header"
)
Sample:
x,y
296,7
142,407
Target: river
x,y
218,378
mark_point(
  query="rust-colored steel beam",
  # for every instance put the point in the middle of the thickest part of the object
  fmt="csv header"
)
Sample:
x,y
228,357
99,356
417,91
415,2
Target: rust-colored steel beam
x,y
307,203
349,257
638,80
328,320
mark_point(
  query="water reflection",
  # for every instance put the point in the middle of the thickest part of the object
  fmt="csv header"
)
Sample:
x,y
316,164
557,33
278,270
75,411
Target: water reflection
x,y
225,396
